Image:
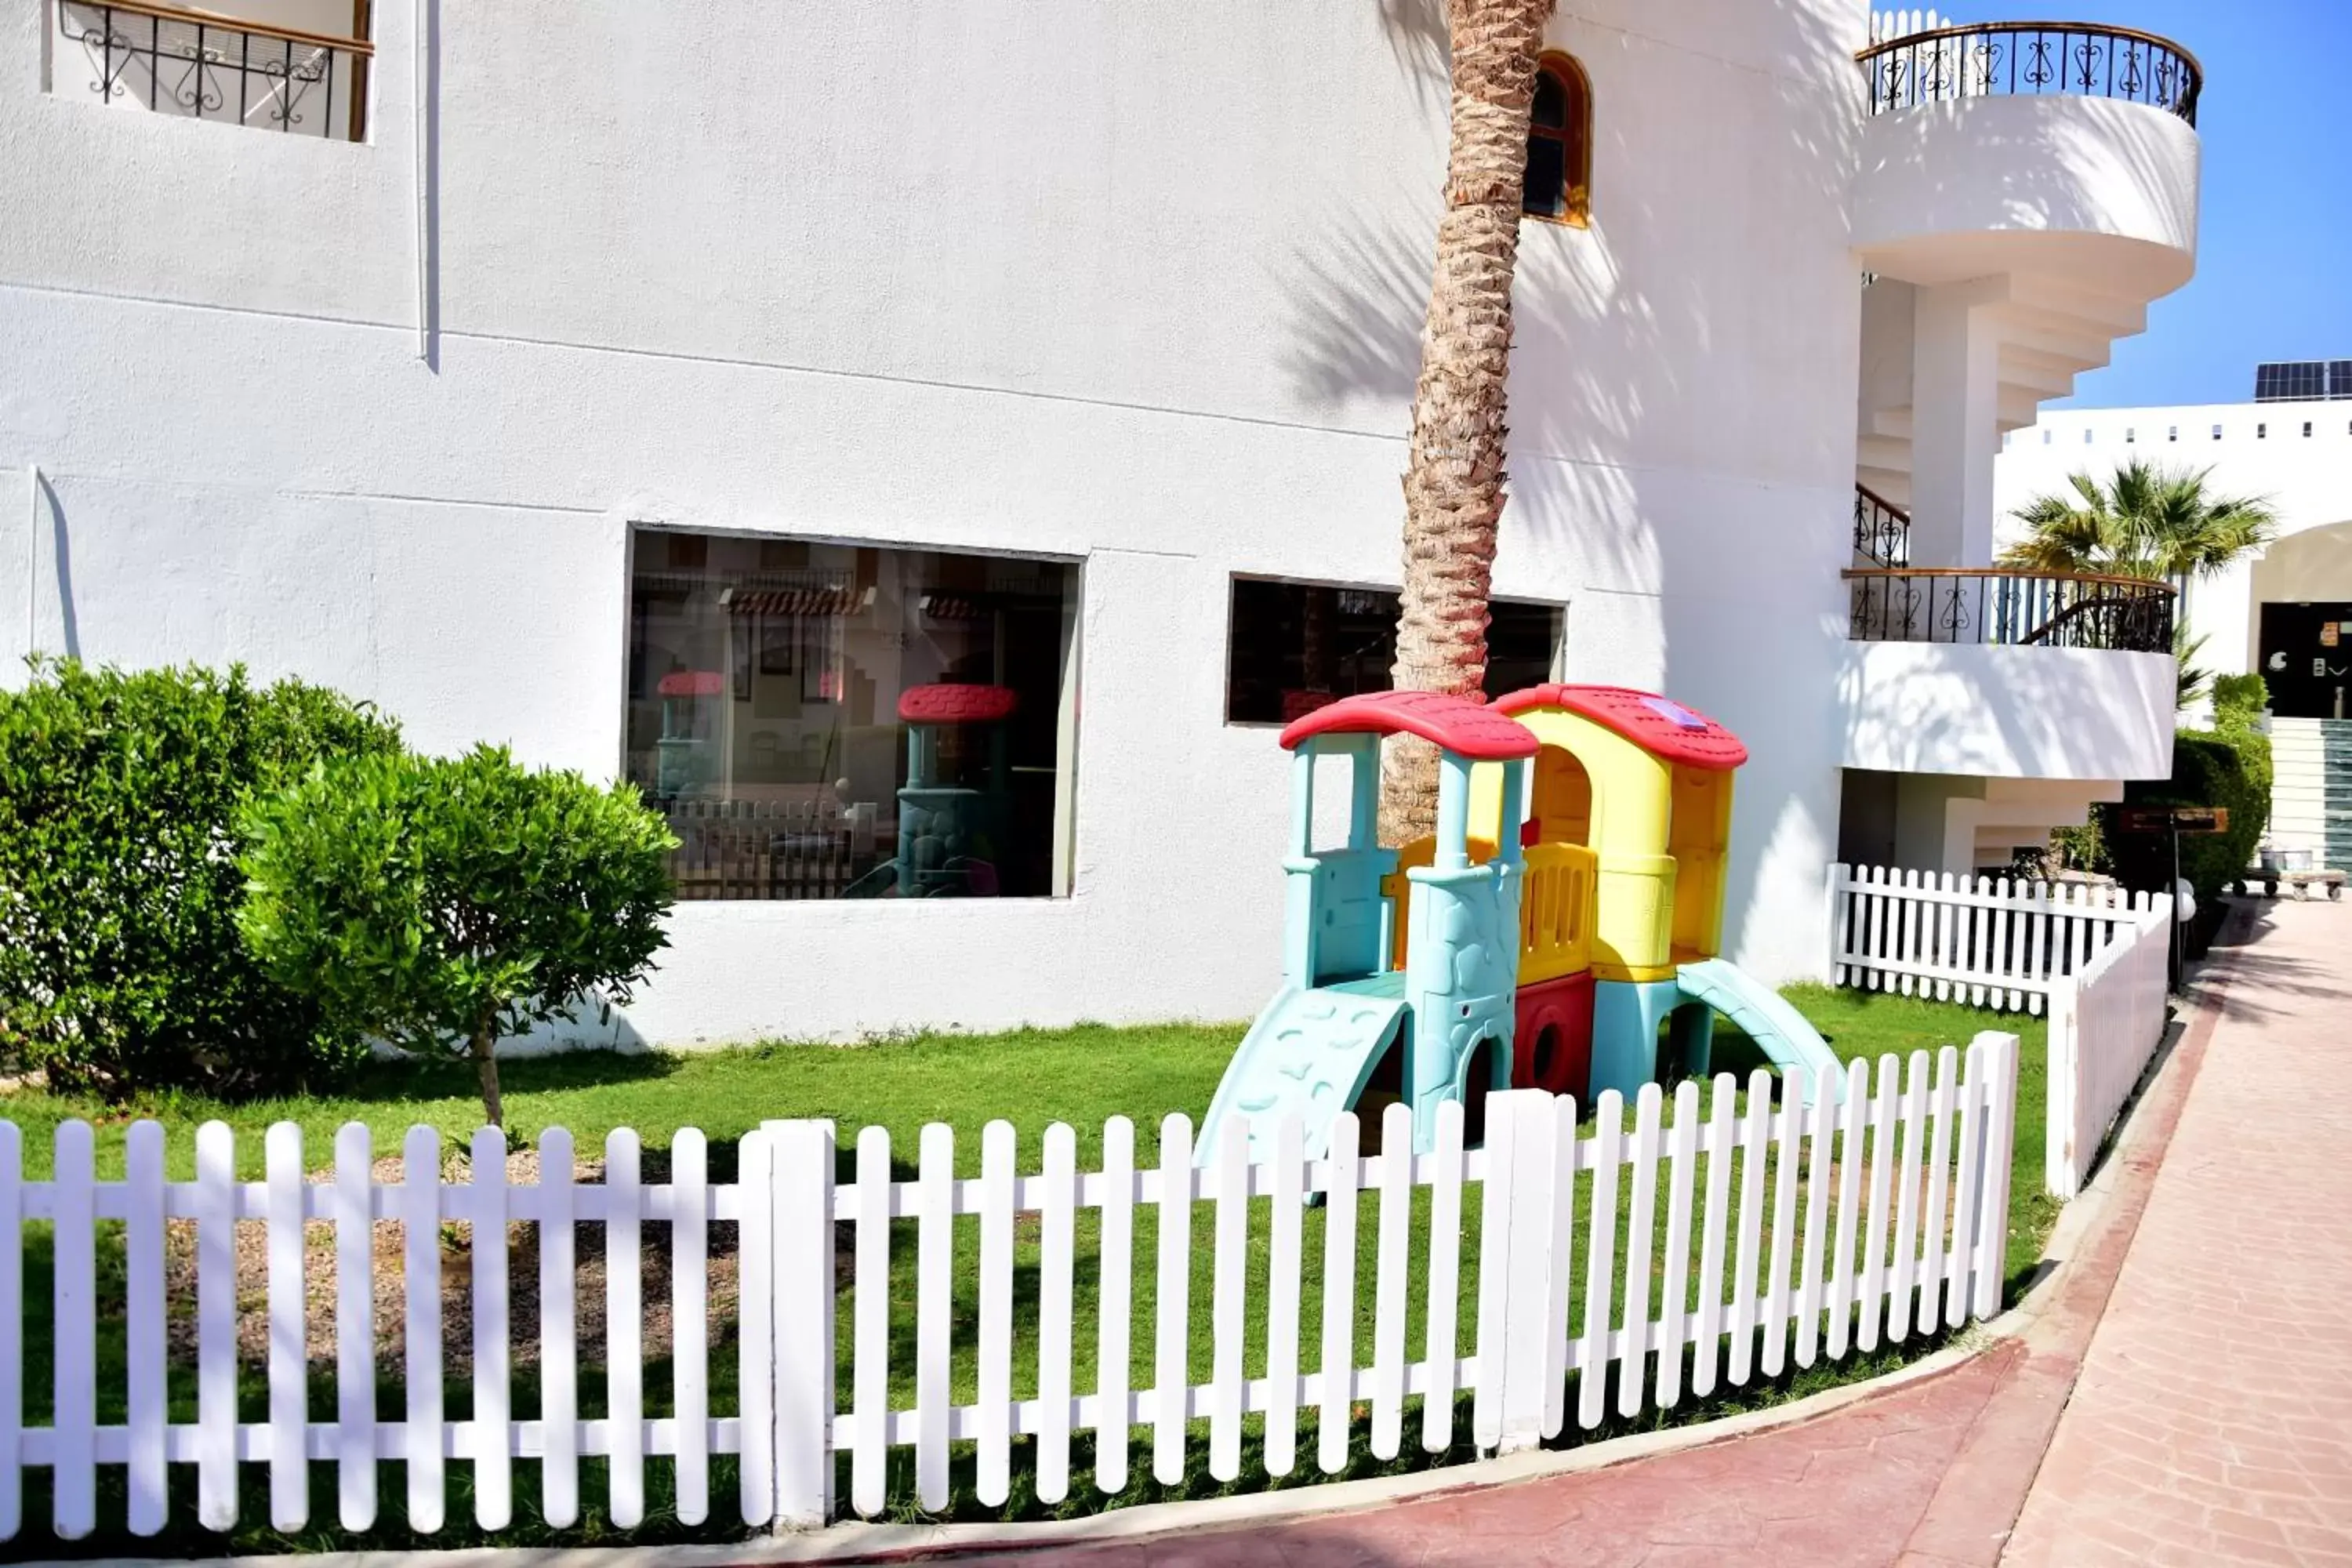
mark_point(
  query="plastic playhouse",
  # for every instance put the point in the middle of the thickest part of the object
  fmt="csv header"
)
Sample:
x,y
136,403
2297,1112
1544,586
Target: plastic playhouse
x,y
1592,821
947,833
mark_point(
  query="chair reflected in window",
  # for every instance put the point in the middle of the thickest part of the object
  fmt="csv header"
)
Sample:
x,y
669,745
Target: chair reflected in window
x,y
1559,143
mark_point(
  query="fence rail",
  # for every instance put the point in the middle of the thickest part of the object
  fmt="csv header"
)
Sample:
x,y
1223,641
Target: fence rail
x,y
2010,608
2032,59
1881,531
204,66
1790,1235
2105,1022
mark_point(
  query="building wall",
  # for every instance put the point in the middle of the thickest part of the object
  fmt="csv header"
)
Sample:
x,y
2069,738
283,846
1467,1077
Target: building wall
x,y
2262,450
1134,286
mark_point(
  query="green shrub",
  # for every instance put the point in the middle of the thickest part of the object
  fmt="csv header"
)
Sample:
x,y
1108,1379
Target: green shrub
x,y
2230,768
2238,698
446,903
120,968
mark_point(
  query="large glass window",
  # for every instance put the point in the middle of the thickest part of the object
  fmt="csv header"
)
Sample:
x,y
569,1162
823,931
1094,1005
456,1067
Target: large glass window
x,y
829,721
1296,646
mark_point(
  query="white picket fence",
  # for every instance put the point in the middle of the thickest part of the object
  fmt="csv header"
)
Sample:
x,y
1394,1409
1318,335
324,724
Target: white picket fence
x,y
2096,959
1986,940
2105,1022
1903,1228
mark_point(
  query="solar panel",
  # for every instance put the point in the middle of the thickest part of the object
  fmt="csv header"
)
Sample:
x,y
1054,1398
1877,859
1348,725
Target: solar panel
x,y
2294,381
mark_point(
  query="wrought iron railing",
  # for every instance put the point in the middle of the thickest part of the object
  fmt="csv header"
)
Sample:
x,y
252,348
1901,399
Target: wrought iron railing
x,y
2032,59
2011,609
1881,531
203,65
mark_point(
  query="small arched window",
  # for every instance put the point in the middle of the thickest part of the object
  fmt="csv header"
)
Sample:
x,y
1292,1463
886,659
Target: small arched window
x,y
1559,143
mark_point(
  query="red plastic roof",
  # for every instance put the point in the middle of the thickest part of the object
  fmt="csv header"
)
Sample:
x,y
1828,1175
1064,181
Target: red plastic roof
x,y
953,704
1465,728
1658,725
692,683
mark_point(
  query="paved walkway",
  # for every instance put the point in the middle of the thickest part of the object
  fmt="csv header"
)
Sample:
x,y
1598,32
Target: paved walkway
x,y
2212,1422
2208,1317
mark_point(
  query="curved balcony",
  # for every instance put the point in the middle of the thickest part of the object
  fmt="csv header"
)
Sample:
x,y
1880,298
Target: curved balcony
x,y
2062,150
2033,60
2001,607
2009,673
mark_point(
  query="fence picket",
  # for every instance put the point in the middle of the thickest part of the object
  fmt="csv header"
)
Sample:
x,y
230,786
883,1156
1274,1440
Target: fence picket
x,y
1057,1255
1673,1293
1882,1185
1709,1348
1444,1279
143,1315
1560,1358
1599,1254
869,1351
1336,1365
355,1327
934,1310
1640,1231
755,1339
74,1275
1999,1064
12,1339
559,1339
1390,1284
992,1471
1852,1117
1817,1195
420,1267
624,1371
1288,1214
1939,1155
1229,1299
690,1242
289,1473
1115,1272
1966,1180
1788,1153
1908,1173
1171,1361
1754,1130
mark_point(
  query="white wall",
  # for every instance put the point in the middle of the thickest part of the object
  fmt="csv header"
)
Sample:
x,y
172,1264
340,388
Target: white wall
x,y
1125,285
2002,713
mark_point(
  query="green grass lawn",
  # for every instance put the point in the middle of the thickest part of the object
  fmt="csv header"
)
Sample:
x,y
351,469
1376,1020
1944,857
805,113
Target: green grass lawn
x,y
1082,1076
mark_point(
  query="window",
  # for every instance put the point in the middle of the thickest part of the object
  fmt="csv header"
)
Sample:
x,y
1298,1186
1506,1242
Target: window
x,y
2262,432
2088,437
1293,646
2172,432
2306,428
2131,435
2217,432
2048,436
830,721
1559,143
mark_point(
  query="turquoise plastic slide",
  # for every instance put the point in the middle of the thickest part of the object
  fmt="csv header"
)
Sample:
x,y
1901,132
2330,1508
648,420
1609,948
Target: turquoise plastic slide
x,y
1308,1054
1779,1031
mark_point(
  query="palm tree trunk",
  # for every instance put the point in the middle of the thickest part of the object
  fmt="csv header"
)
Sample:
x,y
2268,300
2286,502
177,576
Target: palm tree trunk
x,y
1453,480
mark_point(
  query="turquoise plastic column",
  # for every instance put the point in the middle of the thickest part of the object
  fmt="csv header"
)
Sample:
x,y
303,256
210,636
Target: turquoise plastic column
x,y
1298,868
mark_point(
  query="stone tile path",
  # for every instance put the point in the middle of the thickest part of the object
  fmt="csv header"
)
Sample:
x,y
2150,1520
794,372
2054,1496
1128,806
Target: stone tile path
x,y
2212,1422
2208,1318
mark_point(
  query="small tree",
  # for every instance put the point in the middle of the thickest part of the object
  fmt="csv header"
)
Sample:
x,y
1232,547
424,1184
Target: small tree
x,y
447,903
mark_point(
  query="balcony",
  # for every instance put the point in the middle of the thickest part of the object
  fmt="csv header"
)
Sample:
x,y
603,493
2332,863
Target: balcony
x,y
199,65
2001,674
2031,60
2063,151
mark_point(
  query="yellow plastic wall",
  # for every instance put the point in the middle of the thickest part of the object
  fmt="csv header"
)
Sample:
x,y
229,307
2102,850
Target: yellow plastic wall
x,y
1556,901
1701,843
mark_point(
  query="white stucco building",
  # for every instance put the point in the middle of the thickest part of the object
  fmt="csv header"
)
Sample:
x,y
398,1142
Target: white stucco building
x,y
667,406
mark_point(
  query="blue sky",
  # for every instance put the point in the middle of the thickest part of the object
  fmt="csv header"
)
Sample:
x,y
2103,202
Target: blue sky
x,y
2274,263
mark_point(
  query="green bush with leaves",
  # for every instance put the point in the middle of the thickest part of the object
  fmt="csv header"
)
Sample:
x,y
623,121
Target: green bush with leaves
x,y
121,967
445,904
2229,767
2239,698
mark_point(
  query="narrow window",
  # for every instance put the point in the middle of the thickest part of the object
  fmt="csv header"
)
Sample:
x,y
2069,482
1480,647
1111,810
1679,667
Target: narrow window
x,y
2262,432
2217,432
2306,428
2172,432
1559,143
2086,437
2048,436
1293,646
823,720
2131,435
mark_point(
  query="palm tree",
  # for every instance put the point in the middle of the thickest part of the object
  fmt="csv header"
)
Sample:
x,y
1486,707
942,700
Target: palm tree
x,y
1453,475
2145,522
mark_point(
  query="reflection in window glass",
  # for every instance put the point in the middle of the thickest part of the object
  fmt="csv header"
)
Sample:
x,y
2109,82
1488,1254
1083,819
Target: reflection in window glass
x,y
1297,646
825,721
